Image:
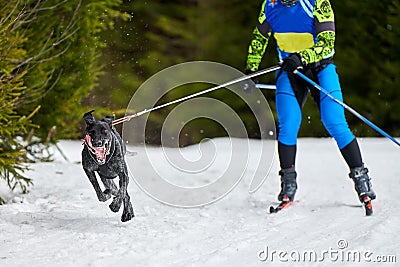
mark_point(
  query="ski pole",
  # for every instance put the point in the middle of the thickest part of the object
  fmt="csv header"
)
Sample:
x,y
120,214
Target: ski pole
x,y
240,79
358,115
266,86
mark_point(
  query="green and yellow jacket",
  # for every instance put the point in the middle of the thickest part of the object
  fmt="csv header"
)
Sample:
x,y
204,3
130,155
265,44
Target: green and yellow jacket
x,y
306,28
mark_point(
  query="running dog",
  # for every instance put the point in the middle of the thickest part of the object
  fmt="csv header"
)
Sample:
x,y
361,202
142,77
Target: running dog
x,y
103,153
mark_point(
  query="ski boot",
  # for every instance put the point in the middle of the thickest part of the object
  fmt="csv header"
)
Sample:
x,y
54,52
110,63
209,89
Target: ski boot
x,y
288,185
363,186
288,190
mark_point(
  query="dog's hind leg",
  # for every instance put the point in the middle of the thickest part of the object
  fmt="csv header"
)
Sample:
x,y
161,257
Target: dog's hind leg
x,y
119,196
123,197
128,213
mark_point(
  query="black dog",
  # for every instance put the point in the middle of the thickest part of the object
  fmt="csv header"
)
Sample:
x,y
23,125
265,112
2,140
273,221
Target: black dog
x,y
103,153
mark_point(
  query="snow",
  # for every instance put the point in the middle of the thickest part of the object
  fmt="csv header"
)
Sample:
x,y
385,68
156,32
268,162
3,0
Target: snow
x,y
61,222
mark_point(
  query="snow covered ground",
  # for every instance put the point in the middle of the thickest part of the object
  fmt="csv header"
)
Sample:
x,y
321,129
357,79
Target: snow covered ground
x,y
61,223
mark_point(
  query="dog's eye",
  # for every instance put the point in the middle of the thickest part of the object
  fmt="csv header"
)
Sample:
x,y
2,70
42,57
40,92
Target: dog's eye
x,y
104,131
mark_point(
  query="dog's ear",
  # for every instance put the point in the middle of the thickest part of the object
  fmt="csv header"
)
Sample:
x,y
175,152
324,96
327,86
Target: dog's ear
x,y
109,120
88,117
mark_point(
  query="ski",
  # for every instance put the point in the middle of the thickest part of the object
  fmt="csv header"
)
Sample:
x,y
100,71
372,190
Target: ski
x,y
283,205
368,206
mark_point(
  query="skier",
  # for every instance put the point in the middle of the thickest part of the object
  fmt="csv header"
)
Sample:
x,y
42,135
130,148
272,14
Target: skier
x,y
304,31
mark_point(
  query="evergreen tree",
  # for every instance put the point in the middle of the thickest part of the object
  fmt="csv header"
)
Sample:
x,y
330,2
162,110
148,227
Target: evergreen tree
x,y
49,58
12,153
63,48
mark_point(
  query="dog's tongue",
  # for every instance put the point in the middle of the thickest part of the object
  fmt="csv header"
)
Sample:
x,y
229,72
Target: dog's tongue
x,y
100,154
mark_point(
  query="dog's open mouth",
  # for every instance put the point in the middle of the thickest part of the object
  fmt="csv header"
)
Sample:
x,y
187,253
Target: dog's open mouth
x,y
100,152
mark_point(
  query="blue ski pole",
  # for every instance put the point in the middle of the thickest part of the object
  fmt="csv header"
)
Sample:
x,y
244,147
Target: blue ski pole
x,y
358,115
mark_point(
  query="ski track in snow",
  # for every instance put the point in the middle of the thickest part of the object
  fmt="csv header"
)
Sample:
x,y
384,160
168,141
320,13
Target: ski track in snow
x,y
61,222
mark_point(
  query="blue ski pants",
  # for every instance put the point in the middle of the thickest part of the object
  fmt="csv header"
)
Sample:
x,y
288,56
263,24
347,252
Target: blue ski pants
x,y
289,108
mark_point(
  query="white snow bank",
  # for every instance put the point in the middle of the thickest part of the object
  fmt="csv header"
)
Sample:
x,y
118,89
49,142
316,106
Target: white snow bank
x,y
61,223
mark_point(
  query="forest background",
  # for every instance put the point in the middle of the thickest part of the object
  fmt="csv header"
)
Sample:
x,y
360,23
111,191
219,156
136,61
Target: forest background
x,y
59,59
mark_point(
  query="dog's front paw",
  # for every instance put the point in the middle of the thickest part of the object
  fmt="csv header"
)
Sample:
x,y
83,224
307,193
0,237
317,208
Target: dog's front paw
x,y
104,197
111,192
127,215
116,204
